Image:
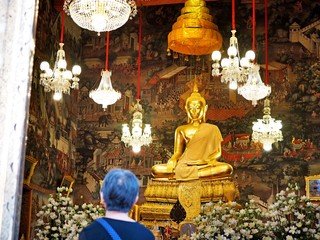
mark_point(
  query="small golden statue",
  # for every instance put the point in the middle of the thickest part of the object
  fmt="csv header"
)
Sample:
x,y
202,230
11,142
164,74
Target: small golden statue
x,y
197,147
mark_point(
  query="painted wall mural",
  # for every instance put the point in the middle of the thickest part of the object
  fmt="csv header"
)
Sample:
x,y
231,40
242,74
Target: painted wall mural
x,y
77,137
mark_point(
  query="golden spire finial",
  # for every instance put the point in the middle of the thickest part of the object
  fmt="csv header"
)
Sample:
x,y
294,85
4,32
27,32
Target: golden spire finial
x,y
195,93
195,85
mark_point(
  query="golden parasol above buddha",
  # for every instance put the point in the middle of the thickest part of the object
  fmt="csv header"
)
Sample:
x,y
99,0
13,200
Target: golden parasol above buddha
x,y
194,33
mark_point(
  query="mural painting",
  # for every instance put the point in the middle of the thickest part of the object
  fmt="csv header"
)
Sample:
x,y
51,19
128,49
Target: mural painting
x,y
81,139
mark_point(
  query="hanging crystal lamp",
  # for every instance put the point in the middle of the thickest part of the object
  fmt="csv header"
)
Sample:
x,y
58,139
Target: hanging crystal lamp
x,y
100,15
254,89
59,79
267,130
233,70
105,94
137,137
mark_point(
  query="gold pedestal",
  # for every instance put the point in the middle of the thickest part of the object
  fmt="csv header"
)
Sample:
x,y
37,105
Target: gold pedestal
x,y
189,194
161,195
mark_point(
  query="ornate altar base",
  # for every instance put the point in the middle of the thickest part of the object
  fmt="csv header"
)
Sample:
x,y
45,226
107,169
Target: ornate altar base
x,y
161,196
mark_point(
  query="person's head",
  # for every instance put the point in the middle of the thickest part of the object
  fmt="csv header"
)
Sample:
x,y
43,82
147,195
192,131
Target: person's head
x,y
120,190
196,106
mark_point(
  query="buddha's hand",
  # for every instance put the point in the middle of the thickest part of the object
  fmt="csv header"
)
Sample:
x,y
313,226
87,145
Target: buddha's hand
x,y
171,164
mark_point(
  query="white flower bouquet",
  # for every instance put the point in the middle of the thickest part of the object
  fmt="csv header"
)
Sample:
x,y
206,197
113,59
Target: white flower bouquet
x,y
61,219
228,221
291,217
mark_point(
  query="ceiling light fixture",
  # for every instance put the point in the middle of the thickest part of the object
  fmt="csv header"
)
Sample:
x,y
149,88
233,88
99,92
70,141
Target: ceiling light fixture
x,y
137,137
100,15
267,130
59,79
254,89
233,70
105,94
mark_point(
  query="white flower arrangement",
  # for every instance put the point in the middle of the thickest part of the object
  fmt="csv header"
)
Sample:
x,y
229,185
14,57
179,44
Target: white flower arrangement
x,y
290,217
61,219
293,216
228,221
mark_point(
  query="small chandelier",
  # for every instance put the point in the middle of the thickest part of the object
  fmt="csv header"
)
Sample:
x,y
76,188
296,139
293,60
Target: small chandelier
x,y
254,89
105,94
59,79
137,138
100,15
234,70
267,130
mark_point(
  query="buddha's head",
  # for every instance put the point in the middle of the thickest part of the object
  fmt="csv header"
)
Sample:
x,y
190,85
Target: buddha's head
x,y
196,106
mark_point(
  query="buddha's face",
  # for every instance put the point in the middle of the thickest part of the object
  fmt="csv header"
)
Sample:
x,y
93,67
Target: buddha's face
x,y
196,109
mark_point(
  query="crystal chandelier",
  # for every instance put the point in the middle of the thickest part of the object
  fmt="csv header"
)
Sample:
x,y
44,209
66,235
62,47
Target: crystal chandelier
x,y
105,94
254,89
137,137
100,15
59,79
267,130
233,69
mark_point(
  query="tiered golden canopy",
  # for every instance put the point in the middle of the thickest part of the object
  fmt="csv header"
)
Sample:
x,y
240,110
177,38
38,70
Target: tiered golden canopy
x,y
194,33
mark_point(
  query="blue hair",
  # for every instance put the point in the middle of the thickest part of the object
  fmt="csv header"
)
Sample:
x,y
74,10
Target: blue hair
x,y
120,189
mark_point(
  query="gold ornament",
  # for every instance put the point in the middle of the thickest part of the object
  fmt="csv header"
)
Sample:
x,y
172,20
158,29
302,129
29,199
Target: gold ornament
x,y
194,33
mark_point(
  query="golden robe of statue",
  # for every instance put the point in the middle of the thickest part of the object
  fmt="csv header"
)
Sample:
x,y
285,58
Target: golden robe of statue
x,y
197,146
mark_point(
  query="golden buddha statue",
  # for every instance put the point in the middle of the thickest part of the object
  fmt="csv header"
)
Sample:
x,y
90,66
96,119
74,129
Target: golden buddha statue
x,y
193,175
197,147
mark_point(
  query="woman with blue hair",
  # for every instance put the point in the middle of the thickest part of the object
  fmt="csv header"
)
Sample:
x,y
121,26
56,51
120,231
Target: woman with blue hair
x,y
120,191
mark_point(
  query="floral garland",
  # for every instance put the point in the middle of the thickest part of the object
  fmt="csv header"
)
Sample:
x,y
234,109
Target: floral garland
x,y
291,217
61,219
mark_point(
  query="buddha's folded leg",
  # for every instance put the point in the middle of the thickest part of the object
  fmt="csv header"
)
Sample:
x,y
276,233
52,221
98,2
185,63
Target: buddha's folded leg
x,y
160,171
218,170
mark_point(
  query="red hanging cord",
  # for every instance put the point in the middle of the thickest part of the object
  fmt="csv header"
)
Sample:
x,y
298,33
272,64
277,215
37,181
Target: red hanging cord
x,y
266,39
139,55
254,25
107,50
62,26
233,15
